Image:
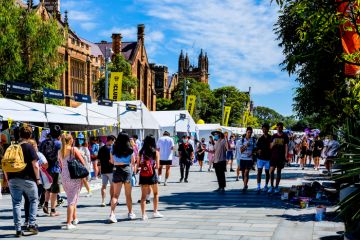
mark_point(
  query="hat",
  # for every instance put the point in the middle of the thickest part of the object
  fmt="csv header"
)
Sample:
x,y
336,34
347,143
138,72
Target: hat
x,y
217,131
80,135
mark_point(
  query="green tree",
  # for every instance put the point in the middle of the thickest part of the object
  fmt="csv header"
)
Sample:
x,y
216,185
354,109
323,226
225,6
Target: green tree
x,y
29,48
267,115
129,82
163,104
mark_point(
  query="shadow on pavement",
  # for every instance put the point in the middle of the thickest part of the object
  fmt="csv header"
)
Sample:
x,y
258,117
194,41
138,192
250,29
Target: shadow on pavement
x,y
213,200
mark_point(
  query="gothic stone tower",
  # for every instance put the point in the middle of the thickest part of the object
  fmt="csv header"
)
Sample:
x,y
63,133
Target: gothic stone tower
x,y
200,73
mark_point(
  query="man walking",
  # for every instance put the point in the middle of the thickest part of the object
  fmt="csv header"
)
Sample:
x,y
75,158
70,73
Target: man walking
x,y
264,155
186,158
50,148
106,168
25,182
279,152
165,146
332,148
221,146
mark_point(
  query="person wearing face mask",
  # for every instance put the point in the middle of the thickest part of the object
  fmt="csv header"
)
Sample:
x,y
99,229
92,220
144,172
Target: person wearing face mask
x,y
186,158
221,146
82,146
200,152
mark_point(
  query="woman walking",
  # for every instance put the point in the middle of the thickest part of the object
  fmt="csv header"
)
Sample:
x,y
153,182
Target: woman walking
x,y
303,151
71,186
149,162
123,159
211,152
318,147
200,152
82,146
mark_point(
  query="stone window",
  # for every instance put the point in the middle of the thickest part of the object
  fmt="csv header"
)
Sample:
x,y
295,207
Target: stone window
x,y
77,76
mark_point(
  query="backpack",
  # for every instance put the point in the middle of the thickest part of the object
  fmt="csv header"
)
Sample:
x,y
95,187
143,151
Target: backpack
x,y
146,168
13,160
48,148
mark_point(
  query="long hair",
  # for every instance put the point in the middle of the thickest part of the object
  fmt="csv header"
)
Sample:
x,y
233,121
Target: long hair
x,y
122,147
212,140
65,141
149,147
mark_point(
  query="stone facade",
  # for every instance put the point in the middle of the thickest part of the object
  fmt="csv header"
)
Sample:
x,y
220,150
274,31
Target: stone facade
x,y
200,73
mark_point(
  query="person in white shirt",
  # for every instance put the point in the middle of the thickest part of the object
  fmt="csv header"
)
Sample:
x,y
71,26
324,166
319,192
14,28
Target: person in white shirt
x,y
165,146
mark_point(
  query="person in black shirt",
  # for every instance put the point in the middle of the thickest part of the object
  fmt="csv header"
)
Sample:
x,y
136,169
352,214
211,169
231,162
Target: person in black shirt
x,y
263,157
279,153
318,147
106,168
25,182
186,158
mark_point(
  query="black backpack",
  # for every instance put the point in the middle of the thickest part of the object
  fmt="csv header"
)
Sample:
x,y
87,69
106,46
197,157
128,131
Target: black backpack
x,y
48,148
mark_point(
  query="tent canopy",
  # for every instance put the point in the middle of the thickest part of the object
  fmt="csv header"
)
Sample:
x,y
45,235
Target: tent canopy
x,y
170,121
23,111
106,116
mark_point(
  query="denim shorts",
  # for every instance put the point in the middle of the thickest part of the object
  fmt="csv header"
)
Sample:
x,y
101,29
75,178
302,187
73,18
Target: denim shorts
x,y
263,164
229,155
122,174
106,178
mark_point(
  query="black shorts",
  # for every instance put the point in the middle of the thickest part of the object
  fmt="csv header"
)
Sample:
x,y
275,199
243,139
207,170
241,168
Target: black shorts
x,y
149,180
165,162
55,186
246,164
277,164
316,154
309,152
122,174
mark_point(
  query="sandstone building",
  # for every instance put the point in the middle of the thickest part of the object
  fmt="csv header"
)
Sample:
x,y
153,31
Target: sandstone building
x,y
200,73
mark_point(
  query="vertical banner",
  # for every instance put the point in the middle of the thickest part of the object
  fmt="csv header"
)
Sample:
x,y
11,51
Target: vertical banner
x,y
115,87
94,133
103,131
10,122
190,104
40,131
76,134
246,117
227,110
85,134
349,37
110,129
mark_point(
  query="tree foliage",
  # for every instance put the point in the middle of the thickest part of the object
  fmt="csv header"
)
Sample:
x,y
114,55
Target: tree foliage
x,y
129,82
29,48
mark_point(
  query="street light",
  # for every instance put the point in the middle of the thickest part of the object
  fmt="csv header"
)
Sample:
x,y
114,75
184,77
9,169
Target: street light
x,y
108,53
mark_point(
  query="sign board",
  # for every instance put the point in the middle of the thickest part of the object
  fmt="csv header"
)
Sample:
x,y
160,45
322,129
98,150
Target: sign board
x,y
131,107
115,87
105,102
182,116
82,98
18,88
52,93
227,110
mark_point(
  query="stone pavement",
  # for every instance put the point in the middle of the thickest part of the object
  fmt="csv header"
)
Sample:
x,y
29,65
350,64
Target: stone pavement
x,y
192,211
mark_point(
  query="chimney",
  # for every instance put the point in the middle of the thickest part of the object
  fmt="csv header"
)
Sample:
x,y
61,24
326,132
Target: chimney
x,y
116,43
141,32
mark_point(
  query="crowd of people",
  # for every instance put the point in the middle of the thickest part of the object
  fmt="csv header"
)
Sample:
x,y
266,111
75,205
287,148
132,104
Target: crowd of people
x,y
45,166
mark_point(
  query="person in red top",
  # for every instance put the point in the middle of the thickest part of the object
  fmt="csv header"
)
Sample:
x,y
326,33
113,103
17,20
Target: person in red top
x,y
279,153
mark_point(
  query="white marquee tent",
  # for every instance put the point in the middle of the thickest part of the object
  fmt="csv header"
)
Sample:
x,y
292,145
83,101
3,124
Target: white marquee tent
x,y
170,121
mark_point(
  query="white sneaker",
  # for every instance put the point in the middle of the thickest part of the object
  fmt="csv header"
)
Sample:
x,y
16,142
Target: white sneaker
x,y
75,221
112,218
270,190
88,195
144,218
277,190
159,179
69,227
131,216
103,204
157,215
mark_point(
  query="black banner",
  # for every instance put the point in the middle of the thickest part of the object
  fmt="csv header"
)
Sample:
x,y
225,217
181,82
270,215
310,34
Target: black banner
x,y
19,88
131,107
182,116
52,93
82,98
105,102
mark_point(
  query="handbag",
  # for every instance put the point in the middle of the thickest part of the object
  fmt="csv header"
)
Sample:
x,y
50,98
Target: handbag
x,y
76,169
146,169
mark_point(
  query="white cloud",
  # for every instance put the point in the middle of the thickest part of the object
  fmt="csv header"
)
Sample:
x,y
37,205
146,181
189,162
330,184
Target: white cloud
x,y
76,15
238,36
128,34
88,26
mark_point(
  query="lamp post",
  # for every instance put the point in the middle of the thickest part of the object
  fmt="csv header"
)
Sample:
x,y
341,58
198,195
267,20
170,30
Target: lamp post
x,y
222,109
184,92
108,52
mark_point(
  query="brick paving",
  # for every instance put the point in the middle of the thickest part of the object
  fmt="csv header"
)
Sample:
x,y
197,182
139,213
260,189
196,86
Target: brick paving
x,y
192,211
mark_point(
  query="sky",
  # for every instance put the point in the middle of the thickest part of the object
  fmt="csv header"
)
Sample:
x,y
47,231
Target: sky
x,y
237,36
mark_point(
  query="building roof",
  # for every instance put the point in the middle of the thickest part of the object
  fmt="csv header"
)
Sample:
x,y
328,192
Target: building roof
x,y
127,48
94,48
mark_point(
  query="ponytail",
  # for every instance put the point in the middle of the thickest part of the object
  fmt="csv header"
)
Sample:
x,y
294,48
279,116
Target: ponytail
x,y
65,140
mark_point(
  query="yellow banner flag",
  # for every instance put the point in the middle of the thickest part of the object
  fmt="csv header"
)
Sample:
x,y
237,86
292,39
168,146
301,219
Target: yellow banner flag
x,y
246,118
40,131
110,129
76,134
94,131
115,87
85,134
103,131
190,104
10,121
227,110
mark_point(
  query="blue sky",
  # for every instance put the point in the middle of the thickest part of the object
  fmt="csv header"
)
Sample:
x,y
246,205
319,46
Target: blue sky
x,y
237,35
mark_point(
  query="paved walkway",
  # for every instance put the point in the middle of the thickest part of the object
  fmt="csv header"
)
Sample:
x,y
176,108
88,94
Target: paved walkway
x,y
192,211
